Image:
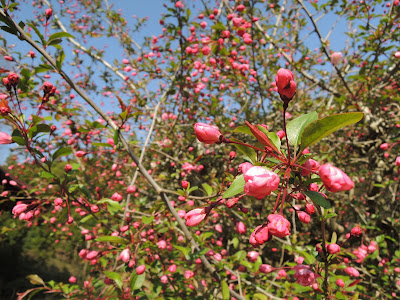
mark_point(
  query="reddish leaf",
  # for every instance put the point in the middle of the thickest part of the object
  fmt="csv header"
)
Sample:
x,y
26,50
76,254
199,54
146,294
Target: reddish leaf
x,y
355,282
260,136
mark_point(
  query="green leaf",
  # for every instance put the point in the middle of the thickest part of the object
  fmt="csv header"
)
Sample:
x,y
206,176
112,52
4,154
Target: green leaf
x,y
112,239
247,151
242,129
45,174
101,145
235,188
114,276
235,242
138,281
225,290
87,218
60,60
185,251
321,128
295,128
318,199
59,35
112,206
207,188
62,152
38,33
147,220
19,140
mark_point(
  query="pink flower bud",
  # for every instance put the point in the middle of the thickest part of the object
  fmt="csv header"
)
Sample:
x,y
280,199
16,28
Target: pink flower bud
x,y
240,228
49,13
252,256
384,146
162,244
278,225
397,162
68,168
285,83
280,134
352,272
265,268
340,282
131,189
335,180
140,269
19,209
5,138
195,216
260,182
310,208
72,279
303,217
206,133
91,255
164,279
172,268
333,248
184,184
80,153
310,166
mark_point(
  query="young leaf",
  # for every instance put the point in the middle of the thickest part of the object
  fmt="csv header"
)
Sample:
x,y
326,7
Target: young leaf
x,y
114,276
147,220
295,128
260,136
138,281
321,128
59,35
207,188
111,239
235,188
318,199
272,136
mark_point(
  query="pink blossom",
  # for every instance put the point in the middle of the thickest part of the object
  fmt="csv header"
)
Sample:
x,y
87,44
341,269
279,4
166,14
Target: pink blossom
x,y
310,208
304,275
252,255
206,133
356,231
336,58
278,225
91,255
125,255
172,268
195,216
162,244
397,162
259,236
333,248
188,274
5,138
335,180
244,167
164,279
260,182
